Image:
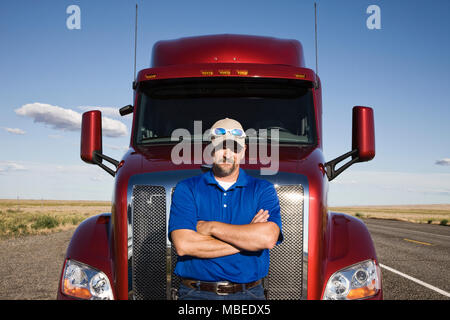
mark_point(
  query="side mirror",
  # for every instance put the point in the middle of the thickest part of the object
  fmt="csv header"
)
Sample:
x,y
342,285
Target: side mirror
x,y
363,133
91,136
91,141
363,142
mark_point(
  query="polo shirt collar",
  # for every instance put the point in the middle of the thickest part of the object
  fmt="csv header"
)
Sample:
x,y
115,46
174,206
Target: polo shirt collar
x,y
242,179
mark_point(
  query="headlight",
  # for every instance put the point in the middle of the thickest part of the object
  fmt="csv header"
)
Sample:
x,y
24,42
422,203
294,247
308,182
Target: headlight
x,y
359,281
84,282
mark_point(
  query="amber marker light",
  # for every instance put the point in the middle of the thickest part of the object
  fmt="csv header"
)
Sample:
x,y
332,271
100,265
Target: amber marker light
x,y
300,75
76,292
224,72
363,292
150,76
242,72
207,73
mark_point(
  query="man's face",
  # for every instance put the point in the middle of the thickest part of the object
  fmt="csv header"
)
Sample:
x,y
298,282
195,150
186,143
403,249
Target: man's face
x,y
227,159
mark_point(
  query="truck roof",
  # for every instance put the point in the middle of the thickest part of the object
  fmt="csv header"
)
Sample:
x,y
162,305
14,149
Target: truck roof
x,y
228,48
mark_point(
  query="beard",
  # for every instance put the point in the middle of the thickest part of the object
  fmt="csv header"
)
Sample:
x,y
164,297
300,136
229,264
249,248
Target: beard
x,y
224,167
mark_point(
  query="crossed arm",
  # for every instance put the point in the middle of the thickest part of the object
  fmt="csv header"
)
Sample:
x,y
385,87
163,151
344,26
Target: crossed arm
x,y
216,239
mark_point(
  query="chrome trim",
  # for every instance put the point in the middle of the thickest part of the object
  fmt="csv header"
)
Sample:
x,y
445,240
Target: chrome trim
x,y
169,179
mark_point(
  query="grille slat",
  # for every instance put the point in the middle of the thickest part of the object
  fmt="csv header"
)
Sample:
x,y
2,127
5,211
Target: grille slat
x,y
154,259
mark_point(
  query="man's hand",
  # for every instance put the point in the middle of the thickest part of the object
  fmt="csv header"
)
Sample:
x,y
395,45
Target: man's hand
x,y
259,234
204,227
261,216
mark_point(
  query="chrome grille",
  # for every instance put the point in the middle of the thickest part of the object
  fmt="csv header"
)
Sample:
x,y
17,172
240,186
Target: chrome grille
x,y
149,242
154,260
284,280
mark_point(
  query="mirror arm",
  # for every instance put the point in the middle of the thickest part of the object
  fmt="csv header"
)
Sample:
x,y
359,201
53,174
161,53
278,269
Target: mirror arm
x,y
330,165
98,155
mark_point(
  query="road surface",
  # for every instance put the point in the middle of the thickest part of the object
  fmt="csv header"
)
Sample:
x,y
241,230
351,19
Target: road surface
x,y
415,259
30,266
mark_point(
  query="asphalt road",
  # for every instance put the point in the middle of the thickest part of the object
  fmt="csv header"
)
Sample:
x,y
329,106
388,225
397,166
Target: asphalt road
x,y
30,266
420,252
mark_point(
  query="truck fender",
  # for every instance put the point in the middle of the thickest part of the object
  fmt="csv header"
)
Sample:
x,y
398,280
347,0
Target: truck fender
x,y
348,242
90,244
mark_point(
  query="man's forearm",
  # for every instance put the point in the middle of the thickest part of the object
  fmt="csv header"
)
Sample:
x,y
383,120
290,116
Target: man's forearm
x,y
250,237
191,243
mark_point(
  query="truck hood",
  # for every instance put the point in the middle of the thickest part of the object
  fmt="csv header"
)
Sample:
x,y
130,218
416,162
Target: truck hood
x,y
158,158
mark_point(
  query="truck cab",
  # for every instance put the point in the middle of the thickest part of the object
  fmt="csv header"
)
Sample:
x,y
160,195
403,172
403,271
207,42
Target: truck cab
x,y
263,83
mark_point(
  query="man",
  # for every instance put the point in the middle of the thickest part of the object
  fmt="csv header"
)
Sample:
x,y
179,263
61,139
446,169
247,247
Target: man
x,y
223,223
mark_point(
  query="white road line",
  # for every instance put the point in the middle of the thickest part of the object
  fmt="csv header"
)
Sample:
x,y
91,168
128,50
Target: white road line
x,y
429,286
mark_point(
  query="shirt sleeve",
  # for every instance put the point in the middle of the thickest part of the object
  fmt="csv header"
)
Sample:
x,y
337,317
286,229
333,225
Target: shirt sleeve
x,y
183,211
268,200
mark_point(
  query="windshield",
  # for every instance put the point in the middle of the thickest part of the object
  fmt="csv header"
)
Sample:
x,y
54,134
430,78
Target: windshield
x,y
260,105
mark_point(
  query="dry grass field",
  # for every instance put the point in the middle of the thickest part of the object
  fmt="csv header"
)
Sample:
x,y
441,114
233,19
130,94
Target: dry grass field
x,y
32,217
432,213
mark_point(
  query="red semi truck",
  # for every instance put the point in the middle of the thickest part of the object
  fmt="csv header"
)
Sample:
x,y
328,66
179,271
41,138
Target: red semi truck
x,y
263,83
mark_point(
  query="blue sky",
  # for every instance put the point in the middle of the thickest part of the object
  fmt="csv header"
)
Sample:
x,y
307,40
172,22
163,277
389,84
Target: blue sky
x,y
401,70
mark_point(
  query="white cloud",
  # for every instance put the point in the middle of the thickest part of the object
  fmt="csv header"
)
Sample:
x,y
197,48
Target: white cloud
x,y
113,128
10,166
443,162
14,130
66,119
57,117
107,111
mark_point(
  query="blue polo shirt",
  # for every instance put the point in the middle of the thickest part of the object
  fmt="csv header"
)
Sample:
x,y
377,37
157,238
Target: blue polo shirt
x,y
202,198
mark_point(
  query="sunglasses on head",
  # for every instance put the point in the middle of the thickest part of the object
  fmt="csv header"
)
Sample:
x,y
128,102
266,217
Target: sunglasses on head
x,y
234,132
